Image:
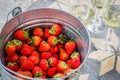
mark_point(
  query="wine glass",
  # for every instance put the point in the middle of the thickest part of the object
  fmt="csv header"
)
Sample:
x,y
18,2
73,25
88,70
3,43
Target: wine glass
x,y
82,12
97,25
112,20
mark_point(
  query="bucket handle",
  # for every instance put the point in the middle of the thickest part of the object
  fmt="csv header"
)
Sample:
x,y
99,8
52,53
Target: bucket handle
x,y
14,12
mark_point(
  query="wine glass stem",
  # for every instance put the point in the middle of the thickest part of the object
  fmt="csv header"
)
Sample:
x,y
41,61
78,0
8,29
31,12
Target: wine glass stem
x,y
98,14
109,36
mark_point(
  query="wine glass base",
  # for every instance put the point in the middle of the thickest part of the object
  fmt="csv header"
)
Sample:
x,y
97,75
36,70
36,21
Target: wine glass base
x,y
97,26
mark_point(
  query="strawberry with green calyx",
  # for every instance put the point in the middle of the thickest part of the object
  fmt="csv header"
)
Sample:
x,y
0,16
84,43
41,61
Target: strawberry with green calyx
x,y
17,43
12,65
70,47
62,38
35,40
27,65
44,46
51,71
63,55
13,58
21,34
56,29
52,40
74,63
62,66
10,48
52,61
46,32
37,71
59,75
26,50
46,55
38,32
75,55
43,64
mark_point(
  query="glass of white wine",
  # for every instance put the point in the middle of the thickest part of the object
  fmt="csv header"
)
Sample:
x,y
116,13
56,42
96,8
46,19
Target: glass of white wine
x,y
97,25
112,20
82,12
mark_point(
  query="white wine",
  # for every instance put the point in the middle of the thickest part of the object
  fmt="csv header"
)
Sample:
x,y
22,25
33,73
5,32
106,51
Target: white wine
x,y
101,3
112,17
112,23
83,13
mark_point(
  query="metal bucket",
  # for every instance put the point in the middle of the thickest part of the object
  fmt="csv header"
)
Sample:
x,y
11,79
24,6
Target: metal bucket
x,y
72,27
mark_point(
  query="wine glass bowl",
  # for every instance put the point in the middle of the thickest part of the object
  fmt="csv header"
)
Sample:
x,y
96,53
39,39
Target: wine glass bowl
x,y
82,12
112,16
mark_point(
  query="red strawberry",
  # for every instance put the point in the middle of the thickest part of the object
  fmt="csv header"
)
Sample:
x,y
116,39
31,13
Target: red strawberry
x,y
55,30
35,53
19,69
53,61
52,40
25,73
27,65
74,63
28,40
66,72
17,43
35,59
75,55
44,74
10,48
59,75
51,72
21,34
69,62
56,56
22,59
12,58
33,48
54,49
46,33
38,32
62,66
37,71
36,40
26,50
70,47
43,64
44,46
12,65
63,55
60,45
46,55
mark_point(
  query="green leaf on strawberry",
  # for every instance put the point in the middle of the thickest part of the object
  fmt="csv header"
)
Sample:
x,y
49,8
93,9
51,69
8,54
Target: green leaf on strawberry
x,y
62,38
26,34
17,42
51,31
74,55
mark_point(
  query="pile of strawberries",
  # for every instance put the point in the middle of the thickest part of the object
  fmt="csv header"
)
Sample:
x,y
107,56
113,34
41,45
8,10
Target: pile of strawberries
x,y
42,52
